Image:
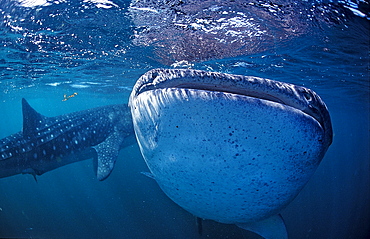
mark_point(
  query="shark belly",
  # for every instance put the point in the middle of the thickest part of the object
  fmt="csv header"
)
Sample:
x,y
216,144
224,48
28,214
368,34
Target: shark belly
x,y
226,157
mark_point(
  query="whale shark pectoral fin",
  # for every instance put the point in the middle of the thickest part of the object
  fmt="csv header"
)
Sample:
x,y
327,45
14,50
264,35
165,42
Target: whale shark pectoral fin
x,y
107,152
32,172
270,228
149,175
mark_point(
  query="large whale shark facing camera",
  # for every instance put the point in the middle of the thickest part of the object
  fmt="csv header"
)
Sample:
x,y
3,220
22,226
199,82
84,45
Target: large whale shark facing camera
x,y
234,149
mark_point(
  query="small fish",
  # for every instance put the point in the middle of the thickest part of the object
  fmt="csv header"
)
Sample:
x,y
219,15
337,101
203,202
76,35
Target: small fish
x,y
65,97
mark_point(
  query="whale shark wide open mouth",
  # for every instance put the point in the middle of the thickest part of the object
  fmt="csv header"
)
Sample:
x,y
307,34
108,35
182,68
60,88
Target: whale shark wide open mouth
x,y
298,97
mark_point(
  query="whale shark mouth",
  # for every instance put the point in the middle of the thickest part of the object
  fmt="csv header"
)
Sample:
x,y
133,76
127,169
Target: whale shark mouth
x,y
300,98
255,87
239,91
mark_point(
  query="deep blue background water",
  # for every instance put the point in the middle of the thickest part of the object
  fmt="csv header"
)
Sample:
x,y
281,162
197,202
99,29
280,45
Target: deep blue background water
x,y
61,47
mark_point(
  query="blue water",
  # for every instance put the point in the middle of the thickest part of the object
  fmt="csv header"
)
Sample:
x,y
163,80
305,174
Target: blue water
x,y
98,49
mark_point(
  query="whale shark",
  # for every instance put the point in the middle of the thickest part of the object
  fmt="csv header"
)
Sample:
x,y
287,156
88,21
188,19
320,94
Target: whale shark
x,y
47,143
229,148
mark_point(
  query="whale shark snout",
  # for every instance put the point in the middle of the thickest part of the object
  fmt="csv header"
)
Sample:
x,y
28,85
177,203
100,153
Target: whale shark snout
x,y
234,149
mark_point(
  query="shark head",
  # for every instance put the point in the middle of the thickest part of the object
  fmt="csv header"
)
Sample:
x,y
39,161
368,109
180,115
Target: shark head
x,y
234,149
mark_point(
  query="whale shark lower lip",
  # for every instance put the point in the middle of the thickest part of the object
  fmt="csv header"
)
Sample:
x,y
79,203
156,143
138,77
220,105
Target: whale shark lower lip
x,y
298,97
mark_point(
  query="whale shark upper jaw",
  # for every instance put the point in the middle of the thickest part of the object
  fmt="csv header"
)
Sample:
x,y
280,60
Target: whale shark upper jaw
x,y
294,96
255,87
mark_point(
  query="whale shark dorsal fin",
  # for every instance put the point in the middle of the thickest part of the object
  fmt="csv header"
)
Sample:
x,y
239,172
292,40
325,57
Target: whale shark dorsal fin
x,y
31,119
270,228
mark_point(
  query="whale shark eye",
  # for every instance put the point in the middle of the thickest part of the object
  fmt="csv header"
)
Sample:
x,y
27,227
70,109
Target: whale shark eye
x,y
307,96
154,75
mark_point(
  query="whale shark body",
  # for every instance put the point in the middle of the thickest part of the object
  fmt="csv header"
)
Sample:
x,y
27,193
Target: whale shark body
x,y
46,143
234,149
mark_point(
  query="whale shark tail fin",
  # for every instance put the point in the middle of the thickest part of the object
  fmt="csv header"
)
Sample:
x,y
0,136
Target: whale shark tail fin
x,y
270,228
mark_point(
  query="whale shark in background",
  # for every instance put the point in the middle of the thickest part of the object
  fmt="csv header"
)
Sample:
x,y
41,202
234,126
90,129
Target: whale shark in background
x,y
47,143
234,149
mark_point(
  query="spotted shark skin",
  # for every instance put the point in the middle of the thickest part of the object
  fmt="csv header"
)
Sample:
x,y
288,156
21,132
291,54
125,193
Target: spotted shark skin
x,y
47,143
